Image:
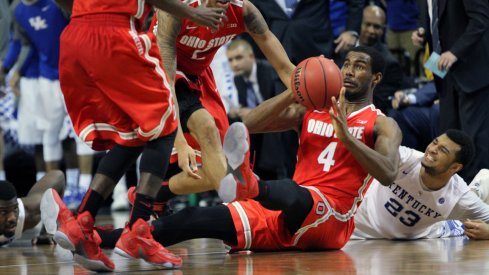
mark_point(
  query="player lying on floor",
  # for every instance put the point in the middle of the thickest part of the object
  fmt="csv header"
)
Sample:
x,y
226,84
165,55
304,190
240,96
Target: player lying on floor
x,y
427,199
20,214
315,209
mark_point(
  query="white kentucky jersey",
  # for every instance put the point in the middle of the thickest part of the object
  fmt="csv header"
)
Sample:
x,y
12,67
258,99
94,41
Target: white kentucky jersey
x,y
20,226
407,209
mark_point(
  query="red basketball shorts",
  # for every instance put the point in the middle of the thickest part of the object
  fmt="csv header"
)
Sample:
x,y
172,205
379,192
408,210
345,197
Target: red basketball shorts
x,y
205,90
258,228
114,84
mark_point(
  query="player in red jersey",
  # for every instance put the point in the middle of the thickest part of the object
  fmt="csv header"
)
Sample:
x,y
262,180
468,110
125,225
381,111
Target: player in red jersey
x,y
340,152
190,49
118,97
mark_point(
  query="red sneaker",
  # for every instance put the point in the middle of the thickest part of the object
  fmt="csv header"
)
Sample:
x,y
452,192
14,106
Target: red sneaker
x,y
87,251
158,207
53,211
74,234
137,242
241,183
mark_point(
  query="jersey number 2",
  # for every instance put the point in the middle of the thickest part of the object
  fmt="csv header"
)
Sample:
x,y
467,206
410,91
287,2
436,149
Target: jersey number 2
x,y
326,156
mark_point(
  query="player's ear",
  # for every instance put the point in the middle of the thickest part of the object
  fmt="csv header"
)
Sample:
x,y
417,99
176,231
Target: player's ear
x,y
456,167
376,78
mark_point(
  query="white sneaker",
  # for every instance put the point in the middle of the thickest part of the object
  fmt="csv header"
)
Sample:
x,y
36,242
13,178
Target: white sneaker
x,y
480,185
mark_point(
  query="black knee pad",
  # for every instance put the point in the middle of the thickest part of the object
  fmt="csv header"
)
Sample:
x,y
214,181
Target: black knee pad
x,y
156,155
188,103
118,160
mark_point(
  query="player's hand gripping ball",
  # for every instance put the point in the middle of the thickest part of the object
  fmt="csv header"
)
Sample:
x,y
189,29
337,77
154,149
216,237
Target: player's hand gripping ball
x,y
314,81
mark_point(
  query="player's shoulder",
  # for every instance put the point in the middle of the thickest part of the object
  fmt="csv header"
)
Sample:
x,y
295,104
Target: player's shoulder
x,y
458,184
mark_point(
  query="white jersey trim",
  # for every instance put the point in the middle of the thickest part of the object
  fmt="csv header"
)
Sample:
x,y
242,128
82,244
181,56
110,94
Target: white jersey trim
x,y
155,132
20,221
140,10
246,225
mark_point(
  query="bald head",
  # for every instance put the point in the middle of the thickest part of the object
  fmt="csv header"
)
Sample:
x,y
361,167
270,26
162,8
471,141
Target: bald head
x,y
373,25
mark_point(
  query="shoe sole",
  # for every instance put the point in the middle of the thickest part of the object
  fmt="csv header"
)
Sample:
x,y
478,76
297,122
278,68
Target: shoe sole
x,y
164,265
235,144
92,265
235,147
62,240
227,188
49,211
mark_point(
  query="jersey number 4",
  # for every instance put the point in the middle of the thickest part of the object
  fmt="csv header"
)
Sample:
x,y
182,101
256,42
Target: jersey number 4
x,y
326,156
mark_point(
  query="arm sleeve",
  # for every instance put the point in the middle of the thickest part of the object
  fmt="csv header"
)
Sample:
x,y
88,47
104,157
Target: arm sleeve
x,y
470,206
12,53
20,35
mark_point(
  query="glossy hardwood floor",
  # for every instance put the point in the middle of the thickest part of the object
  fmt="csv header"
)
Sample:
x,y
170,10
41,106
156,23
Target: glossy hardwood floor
x,y
206,256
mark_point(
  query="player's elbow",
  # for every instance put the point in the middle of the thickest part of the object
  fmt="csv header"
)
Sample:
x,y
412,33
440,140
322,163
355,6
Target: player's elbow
x,y
388,177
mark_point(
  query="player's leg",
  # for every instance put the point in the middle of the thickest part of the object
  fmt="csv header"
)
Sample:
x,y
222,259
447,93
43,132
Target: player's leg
x,y
191,223
136,240
201,125
27,119
54,113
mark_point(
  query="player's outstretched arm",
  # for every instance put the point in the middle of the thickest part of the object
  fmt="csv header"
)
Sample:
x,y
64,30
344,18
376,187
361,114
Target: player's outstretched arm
x,y
53,179
382,162
268,42
167,33
209,17
276,114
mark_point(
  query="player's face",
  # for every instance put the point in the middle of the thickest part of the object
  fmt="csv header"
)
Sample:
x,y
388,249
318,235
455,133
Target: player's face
x,y
372,28
357,75
440,156
218,4
241,61
9,214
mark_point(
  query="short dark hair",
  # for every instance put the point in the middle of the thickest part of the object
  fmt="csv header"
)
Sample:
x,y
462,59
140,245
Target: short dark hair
x,y
7,190
376,59
467,148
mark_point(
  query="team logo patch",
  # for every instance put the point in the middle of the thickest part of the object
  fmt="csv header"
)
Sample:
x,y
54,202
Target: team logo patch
x,y
320,208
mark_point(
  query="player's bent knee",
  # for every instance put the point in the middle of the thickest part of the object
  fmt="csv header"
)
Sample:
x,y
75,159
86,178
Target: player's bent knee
x,y
206,131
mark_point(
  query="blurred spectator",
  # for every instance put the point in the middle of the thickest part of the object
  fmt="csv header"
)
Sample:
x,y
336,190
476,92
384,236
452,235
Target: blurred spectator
x,y
402,19
224,79
304,27
373,26
256,81
39,25
459,32
418,115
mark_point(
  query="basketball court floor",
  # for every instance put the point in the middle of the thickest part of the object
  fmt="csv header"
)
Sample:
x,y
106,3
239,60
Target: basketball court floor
x,y
207,256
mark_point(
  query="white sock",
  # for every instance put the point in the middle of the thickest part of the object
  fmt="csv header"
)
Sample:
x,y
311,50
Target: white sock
x,y
2,175
84,182
72,178
40,174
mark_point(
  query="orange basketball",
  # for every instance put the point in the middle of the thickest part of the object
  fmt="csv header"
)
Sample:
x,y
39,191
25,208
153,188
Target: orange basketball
x,y
314,81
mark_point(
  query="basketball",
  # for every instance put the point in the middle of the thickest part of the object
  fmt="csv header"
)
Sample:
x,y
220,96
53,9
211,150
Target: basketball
x,y
314,81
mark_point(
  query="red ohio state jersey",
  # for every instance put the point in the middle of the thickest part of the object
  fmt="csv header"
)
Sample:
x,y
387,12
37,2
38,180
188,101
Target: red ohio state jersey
x,y
197,45
134,8
325,163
